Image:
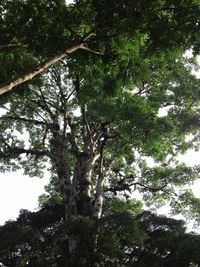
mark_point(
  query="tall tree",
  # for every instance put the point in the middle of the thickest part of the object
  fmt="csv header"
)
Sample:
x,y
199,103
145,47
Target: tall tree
x,y
93,119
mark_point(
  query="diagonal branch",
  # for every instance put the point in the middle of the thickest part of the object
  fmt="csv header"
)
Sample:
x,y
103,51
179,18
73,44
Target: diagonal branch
x,y
46,107
9,85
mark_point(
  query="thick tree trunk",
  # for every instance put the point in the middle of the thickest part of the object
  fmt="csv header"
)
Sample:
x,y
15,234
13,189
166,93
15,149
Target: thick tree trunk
x,y
60,162
84,182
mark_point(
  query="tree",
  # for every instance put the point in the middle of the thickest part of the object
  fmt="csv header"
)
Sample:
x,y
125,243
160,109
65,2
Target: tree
x,y
94,118
94,144
36,34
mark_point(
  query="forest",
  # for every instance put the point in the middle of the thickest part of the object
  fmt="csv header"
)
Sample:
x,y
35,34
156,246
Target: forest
x,y
93,92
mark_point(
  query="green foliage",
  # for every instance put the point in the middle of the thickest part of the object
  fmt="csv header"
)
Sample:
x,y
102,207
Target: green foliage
x,y
127,33
188,205
52,194
134,127
168,243
42,239
132,207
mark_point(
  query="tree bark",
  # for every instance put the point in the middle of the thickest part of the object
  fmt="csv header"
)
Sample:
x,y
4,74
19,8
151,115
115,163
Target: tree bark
x,y
9,45
59,149
39,69
84,182
99,198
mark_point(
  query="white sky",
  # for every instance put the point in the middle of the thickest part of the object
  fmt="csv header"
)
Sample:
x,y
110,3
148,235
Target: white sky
x,y
18,192
69,1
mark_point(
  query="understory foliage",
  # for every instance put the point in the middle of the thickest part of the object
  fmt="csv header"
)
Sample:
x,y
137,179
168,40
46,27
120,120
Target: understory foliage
x,y
117,91
124,239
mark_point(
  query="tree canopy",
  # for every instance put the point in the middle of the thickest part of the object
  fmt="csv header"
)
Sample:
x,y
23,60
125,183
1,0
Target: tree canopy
x,y
99,141
36,34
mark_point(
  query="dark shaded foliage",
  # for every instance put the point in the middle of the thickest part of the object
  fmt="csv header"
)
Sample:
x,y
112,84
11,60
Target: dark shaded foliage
x,y
41,239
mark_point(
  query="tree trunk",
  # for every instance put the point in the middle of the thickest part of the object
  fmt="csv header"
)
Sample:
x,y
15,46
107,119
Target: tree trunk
x,y
60,162
99,197
84,182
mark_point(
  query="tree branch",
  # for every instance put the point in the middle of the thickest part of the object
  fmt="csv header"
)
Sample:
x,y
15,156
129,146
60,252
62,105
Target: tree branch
x,y
17,151
36,122
47,108
9,85
72,138
10,45
125,186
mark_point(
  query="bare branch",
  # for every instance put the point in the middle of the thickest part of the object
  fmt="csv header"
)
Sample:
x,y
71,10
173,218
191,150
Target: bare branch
x,y
88,35
30,106
45,136
43,106
95,158
72,92
193,100
91,50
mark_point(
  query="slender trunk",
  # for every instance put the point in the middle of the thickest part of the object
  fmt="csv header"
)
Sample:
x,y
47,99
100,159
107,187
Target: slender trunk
x,y
98,203
99,197
97,211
